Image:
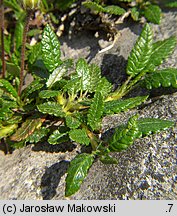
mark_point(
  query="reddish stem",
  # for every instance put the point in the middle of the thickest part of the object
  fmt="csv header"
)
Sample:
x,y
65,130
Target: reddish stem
x,y
25,31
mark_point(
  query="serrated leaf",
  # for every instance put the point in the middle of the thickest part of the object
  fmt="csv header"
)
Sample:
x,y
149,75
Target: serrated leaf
x,y
107,159
50,49
95,112
114,9
117,106
8,104
57,137
165,78
93,6
77,172
72,122
153,13
73,85
160,51
37,135
56,75
82,71
104,87
6,130
94,77
79,136
48,93
51,108
151,125
9,88
26,129
111,9
32,87
125,135
141,52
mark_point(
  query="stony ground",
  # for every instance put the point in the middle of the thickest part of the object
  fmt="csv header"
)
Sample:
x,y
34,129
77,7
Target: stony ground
x,y
147,170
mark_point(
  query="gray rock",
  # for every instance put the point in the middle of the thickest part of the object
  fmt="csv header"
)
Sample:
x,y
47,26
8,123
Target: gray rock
x,y
147,170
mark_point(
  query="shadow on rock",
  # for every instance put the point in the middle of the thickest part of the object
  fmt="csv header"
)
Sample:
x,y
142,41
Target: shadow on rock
x,y
63,147
113,67
51,179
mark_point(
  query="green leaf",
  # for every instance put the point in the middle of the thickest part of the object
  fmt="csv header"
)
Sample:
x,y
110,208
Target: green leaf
x,y
7,130
15,145
18,34
51,108
151,125
153,13
165,78
171,4
73,85
34,53
57,137
5,113
135,14
107,159
32,87
125,135
9,88
48,93
93,6
7,44
64,4
87,78
12,69
37,135
12,4
117,106
104,87
141,52
77,172
95,112
14,119
79,136
160,51
94,78
72,122
113,9
82,71
26,129
34,33
8,104
57,75
50,49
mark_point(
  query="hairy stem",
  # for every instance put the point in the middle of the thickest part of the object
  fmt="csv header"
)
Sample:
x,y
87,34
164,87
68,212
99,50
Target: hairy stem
x,y
25,31
2,40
